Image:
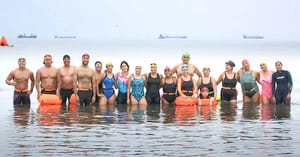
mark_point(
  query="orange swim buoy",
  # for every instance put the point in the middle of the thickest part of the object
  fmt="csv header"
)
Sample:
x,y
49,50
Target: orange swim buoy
x,y
73,99
186,101
50,99
3,41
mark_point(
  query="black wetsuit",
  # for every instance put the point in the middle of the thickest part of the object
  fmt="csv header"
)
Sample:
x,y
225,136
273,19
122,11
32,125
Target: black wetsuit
x,y
282,85
228,91
152,93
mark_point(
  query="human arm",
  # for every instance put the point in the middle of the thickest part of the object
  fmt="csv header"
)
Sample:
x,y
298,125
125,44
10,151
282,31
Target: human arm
x,y
9,78
32,83
37,83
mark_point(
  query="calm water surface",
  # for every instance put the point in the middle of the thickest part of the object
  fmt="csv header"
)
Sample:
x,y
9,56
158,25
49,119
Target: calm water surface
x,y
124,130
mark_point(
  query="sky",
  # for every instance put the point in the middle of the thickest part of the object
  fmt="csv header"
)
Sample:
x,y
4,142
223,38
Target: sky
x,y
146,19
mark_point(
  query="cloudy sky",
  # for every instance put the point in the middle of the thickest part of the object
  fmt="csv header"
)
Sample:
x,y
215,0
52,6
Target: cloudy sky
x,y
146,19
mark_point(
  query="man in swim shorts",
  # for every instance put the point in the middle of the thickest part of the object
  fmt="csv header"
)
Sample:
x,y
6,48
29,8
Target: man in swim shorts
x,y
19,78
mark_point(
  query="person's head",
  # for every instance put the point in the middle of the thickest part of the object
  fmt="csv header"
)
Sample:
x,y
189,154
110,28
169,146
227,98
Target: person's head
x,y
167,71
47,60
186,57
66,60
124,66
206,70
22,62
204,92
109,66
138,69
246,64
263,66
278,65
229,65
98,66
184,69
85,59
153,67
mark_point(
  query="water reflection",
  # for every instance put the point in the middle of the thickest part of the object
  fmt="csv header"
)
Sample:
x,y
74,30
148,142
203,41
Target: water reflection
x,y
153,112
21,114
282,111
208,111
48,114
267,111
137,113
168,113
251,110
228,111
186,114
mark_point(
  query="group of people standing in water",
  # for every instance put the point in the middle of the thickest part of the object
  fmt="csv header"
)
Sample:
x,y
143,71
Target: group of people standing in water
x,y
92,85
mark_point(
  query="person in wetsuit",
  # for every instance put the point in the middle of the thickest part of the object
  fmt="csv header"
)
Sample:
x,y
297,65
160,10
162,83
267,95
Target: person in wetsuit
x,y
282,85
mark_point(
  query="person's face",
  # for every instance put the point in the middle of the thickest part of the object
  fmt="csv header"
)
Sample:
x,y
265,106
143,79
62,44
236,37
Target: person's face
x,y
138,70
47,62
278,67
22,63
85,60
98,67
185,71
246,65
109,68
185,60
204,94
167,72
228,67
206,72
263,66
153,68
124,67
67,61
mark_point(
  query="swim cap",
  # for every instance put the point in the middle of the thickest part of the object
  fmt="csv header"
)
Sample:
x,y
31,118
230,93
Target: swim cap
x,y
153,65
66,56
245,61
184,67
278,62
167,68
206,67
204,89
47,57
97,63
263,63
186,55
109,63
231,63
85,55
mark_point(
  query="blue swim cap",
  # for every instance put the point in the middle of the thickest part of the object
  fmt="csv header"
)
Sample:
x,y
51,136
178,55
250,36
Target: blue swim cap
x,y
184,67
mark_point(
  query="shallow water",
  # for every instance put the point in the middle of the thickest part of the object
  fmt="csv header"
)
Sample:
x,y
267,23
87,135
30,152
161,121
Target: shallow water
x,y
222,130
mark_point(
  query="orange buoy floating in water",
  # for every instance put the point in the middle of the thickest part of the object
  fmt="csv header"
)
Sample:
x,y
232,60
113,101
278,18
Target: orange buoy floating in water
x,y
50,99
73,99
3,41
186,100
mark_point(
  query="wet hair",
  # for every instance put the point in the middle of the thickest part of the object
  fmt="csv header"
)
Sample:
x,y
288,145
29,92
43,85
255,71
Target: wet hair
x,y
66,56
124,62
98,62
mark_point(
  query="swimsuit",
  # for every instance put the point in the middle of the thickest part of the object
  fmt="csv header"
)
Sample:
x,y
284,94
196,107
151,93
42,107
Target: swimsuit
x,y
85,96
169,90
187,87
228,91
137,88
266,85
108,86
249,85
65,94
122,85
152,94
21,97
209,86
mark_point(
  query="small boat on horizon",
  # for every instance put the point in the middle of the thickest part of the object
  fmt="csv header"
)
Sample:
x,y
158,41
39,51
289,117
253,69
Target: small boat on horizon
x,y
161,36
27,36
65,36
253,37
